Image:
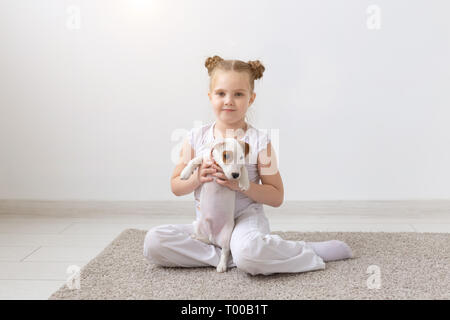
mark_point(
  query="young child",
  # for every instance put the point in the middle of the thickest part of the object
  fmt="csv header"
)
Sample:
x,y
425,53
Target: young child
x,y
253,249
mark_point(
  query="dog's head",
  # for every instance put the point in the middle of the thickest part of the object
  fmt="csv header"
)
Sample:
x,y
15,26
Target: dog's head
x,y
230,154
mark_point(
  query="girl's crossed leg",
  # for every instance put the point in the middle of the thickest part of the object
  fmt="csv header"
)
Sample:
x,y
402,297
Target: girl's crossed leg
x,y
253,249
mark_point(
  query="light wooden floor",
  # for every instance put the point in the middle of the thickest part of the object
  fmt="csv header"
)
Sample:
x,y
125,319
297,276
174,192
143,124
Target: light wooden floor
x,y
39,240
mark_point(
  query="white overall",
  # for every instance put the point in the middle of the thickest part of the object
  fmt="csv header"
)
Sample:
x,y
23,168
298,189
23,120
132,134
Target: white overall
x,y
253,249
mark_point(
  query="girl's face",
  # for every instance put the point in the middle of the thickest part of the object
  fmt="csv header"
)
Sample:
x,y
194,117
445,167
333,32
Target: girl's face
x,y
230,96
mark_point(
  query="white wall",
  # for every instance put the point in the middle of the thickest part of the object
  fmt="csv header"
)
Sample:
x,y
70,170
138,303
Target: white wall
x,y
89,113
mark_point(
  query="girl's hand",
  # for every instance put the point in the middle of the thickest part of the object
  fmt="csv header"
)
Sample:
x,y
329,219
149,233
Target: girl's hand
x,y
222,179
204,172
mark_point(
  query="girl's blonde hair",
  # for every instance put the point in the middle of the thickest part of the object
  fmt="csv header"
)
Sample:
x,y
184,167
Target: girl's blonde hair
x,y
254,69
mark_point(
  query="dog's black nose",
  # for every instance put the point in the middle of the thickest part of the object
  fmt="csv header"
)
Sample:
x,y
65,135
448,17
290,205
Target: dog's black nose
x,y
235,175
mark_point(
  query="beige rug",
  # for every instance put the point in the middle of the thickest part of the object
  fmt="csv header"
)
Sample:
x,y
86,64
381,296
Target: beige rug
x,y
407,265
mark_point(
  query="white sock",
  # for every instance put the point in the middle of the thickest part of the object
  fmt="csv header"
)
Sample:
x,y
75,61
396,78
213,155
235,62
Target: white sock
x,y
331,250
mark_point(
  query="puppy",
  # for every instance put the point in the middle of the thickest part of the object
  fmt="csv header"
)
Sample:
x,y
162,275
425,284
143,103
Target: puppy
x,y
217,203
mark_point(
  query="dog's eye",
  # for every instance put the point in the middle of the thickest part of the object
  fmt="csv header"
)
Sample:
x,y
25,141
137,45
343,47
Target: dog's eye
x,y
226,156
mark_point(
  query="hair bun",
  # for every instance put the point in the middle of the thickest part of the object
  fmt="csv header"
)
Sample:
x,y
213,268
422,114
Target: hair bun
x,y
257,68
211,63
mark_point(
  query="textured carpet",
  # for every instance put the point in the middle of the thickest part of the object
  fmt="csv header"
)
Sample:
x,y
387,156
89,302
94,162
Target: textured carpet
x,y
410,265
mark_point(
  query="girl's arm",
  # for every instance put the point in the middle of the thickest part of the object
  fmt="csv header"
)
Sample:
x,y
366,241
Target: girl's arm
x,y
270,191
182,187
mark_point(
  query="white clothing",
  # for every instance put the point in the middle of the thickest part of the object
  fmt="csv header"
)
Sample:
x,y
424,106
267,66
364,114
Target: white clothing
x,y
257,139
253,249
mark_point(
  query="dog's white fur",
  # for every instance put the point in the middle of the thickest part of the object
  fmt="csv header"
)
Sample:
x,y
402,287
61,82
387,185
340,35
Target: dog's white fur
x,y
217,202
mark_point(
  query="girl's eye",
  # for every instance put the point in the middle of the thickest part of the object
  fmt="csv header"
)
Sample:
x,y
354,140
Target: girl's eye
x,y
220,94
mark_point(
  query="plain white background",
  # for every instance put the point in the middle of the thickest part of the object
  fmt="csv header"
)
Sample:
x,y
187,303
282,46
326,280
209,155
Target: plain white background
x,y
96,95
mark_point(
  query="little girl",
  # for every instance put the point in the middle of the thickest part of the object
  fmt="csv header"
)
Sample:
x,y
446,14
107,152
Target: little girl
x,y
253,249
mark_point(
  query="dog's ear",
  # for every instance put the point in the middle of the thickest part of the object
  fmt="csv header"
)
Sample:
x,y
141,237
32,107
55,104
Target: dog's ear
x,y
245,147
215,144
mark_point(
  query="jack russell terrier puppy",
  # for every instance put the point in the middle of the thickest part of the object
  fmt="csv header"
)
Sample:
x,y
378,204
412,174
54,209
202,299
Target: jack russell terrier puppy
x,y
217,202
